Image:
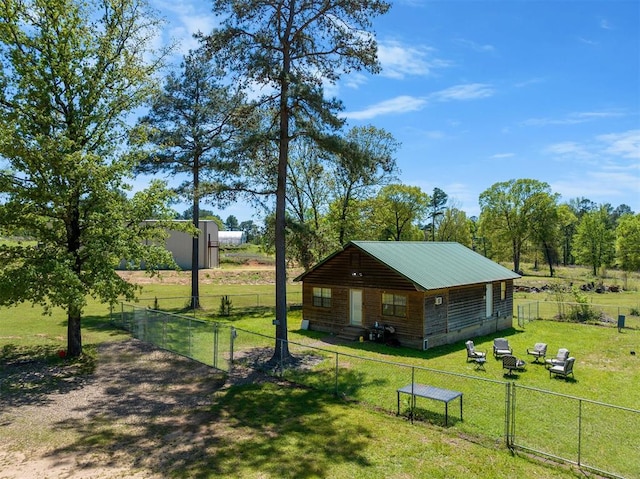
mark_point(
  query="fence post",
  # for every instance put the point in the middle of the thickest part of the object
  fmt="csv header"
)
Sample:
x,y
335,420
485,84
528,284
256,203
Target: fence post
x,y
579,430
509,414
336,374
233,334
189,330
412,400
164,331
215,346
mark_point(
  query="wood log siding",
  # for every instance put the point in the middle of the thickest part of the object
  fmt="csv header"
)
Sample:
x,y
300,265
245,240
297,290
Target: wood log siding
x,y
467,306
358,270
462,307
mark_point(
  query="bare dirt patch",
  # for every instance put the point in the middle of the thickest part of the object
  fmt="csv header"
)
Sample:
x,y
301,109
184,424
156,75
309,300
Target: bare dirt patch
x,y
250,274
140,414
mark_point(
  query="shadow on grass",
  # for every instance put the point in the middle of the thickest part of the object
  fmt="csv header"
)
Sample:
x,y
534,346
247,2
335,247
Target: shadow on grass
x,y
176,417
403,352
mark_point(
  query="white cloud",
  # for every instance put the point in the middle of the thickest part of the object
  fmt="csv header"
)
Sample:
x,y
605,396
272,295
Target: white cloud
x,y
471,91
400,104
605,25
600,186
184,21
476,47
501,156
574,118
570,150
399,60
606,168
406,103
354,80
624,145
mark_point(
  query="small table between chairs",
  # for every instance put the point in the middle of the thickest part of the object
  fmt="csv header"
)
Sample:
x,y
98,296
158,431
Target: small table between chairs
x,y
430,392
480,363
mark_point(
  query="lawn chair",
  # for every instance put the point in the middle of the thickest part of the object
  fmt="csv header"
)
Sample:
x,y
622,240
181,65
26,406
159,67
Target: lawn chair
x,y
472,354
501,347
563,370
538,351
559,360
511,363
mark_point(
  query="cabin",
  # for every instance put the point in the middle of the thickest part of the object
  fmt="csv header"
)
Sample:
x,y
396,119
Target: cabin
x,y
416,294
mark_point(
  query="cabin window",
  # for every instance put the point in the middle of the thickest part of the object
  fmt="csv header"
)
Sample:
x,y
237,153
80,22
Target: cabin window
x,y
322,297
394,305
503,290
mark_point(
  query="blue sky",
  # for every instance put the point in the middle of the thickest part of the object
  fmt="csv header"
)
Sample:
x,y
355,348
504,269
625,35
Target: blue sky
x,y
479,92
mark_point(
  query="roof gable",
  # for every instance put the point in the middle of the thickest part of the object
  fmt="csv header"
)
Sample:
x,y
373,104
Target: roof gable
x,y
432,265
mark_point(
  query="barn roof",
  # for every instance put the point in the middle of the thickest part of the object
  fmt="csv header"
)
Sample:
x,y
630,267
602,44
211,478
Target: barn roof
x,y
432,265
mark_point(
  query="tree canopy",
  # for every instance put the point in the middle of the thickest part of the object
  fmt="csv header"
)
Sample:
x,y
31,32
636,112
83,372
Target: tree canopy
x,y
71,73
189,130
288,49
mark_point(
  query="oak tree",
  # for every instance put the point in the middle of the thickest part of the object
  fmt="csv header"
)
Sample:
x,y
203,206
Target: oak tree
x,y
71,73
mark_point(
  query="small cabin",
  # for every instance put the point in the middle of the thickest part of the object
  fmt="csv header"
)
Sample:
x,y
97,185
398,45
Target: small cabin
x,y
425,293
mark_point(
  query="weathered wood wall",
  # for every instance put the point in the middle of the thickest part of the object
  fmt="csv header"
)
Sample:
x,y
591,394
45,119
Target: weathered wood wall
x,y
461,314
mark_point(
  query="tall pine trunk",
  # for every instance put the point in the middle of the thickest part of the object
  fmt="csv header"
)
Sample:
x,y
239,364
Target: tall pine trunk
x,y
195,243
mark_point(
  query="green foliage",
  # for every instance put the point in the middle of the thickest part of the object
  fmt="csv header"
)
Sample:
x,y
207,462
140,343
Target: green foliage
x,y
396,212
628,242
582,311
71,78
509,210
226,305
593,242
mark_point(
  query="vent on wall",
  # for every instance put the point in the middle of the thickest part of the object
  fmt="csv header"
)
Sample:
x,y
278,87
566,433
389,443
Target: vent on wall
x,y
425,344
438,300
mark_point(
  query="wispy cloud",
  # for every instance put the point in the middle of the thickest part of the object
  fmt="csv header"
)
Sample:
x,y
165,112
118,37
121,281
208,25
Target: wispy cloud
x,y
476,47
574,118
610,150
399,104
186,21
570,150
598,185
406,103
502,156
605,24
613,170
625,145
399,60
470,91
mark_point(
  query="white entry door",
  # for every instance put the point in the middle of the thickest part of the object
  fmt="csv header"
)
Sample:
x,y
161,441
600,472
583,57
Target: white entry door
x,y
355,306
489,300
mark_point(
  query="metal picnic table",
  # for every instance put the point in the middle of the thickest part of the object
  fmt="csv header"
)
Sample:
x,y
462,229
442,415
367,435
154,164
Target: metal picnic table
x,y
430,392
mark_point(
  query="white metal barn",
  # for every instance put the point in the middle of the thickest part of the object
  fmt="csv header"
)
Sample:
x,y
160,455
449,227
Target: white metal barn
x,y
231,237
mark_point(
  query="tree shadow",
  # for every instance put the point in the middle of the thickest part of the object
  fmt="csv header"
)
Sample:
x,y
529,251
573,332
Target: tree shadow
x,y
404,352
29,375
171,415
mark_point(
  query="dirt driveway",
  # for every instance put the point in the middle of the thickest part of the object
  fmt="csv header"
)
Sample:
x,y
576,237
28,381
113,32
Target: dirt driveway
x,y
141,414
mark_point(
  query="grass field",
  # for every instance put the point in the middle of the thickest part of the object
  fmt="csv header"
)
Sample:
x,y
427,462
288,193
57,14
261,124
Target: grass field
x,y
377,443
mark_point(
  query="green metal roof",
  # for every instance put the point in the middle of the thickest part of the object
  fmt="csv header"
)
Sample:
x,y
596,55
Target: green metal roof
x,y
434,265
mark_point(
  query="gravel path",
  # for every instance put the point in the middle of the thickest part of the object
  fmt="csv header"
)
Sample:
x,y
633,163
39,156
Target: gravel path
x,y
125,420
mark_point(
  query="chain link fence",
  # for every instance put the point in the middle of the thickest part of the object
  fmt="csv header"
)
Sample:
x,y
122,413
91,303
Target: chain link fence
x,y
599,437
603,314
